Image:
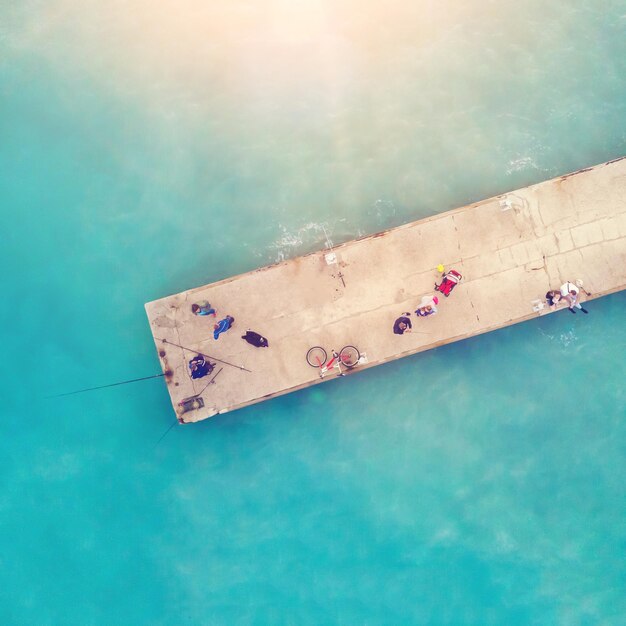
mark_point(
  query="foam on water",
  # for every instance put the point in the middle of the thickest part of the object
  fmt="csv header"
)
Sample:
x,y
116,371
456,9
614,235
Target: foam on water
x,y
146,148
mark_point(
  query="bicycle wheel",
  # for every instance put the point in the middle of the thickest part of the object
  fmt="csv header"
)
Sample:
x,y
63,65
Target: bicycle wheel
x,y
316,356
349,356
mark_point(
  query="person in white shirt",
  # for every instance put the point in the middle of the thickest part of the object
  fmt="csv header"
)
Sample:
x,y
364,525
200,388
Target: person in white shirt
x,y
569,291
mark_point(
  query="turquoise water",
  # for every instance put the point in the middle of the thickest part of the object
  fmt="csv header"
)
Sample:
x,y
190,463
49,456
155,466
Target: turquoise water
x,y
150,147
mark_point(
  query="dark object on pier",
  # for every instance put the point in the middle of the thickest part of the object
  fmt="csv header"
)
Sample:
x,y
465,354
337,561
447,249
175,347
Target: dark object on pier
x,y
200,367
255,339
191,404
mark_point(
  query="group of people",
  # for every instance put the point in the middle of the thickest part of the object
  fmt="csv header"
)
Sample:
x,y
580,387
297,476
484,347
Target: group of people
x,y
203,308
199,366
428,305
568,294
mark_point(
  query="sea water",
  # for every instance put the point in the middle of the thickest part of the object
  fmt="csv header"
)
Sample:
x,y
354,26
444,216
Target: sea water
x,y
150,147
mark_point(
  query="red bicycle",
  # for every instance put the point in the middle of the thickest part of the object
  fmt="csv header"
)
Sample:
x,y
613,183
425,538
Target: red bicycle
x,y
348,356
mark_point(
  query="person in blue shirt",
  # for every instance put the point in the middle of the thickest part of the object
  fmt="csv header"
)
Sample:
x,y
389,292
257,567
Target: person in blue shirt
x,y
203,308
222,326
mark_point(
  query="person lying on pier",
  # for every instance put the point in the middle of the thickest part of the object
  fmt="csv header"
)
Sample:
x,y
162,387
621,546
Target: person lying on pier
x,y
402,325
222,326
199,366
203,308
255,339
427,306
450,280
569,291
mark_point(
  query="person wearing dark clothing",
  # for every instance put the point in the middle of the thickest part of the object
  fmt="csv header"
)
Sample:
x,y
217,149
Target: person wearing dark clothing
x,y
553,298
199,366
255,339
402,325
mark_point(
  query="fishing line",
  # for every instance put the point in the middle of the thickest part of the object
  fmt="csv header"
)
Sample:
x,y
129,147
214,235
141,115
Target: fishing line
x,y
123,382
196,396
165,433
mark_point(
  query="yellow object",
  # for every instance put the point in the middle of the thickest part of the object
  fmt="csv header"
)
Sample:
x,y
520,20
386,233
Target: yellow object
x,y
440,268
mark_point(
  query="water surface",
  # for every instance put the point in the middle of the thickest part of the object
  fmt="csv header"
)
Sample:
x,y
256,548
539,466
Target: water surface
x,y
147,148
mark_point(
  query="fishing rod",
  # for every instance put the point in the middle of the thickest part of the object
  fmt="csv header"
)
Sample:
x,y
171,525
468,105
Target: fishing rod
x,y
579,284
123,382
196,396
239,367
211,381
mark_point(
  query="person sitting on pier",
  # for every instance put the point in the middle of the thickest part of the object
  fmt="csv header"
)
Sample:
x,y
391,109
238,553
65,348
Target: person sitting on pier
x,y
553,298
427,306
203,308
569,291
222,326
199,366
450,280
402,325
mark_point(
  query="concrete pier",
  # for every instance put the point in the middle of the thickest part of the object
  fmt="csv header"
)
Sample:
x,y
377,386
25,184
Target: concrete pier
x,y
510,249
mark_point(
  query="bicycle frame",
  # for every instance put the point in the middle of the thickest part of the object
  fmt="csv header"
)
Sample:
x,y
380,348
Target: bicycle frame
x,y
335,363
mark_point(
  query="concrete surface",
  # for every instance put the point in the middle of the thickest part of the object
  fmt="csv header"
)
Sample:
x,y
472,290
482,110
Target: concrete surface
x,y
510,249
